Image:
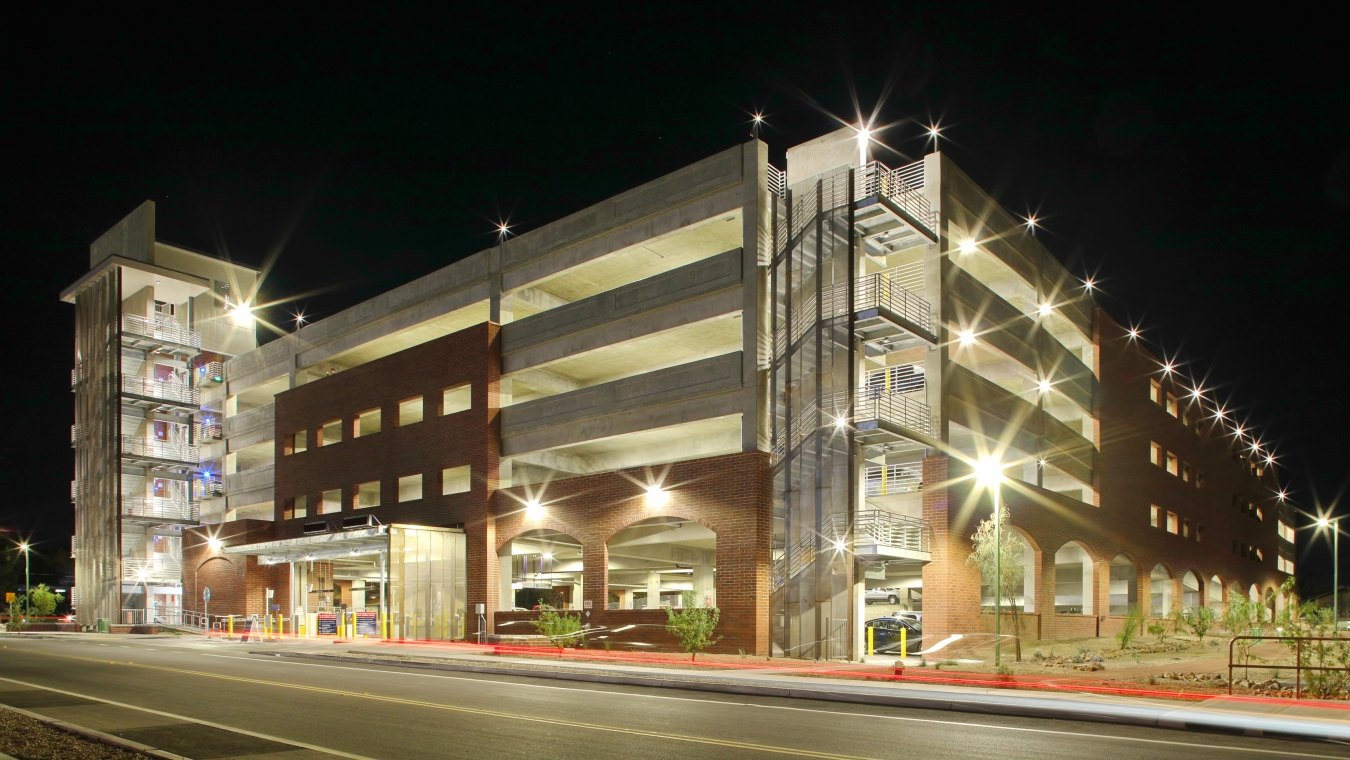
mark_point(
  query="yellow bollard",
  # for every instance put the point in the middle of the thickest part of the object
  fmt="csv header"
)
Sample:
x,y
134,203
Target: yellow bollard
x,y
871,640
384,627
904,641
230,626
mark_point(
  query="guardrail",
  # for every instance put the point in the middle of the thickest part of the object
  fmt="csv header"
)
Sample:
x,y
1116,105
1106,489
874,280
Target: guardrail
x,y
144,447
777,180
158,508
175,392
139,569
902,185
161,328
1302,645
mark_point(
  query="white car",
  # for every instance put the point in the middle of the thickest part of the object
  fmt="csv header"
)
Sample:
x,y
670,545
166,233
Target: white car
x,y
914,617
887,595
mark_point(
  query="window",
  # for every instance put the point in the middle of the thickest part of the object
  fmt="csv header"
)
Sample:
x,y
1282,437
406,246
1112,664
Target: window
x,y
1172,522
1199,533
455,480
295,507
456,399
332,502
1186,528
1155,453
295,443
1172,407
367,495
1185,472
410,487
410,411
1199,478
1173,464
330,433
1284,565
1285,531
1155,516
1155,392
367,423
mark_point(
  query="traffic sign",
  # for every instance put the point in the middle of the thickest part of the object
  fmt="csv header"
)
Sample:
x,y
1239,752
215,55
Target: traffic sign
x,y
206,594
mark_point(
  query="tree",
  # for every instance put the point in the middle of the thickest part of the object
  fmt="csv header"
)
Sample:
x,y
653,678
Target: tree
x,y
693,626
561,630
1013,575
42,600
1199,620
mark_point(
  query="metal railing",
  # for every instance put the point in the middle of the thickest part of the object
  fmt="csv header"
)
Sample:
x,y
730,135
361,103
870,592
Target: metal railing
x,y
1298,667
144,447
74,550
175,392
892,479
896,409
161,328
209,432
777,180
77,375
877,526
159,508
76,433
903,186
885,290
74,489
139,569
211,372
897,378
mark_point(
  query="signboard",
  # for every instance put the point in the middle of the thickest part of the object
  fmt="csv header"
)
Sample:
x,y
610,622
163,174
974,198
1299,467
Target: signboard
x,y
367,624
327,624
586,604
206,594
9,597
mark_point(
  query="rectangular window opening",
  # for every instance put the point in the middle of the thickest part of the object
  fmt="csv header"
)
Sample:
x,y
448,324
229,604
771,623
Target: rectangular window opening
x,y
367,495
332,502
330,433
410,487
1155,516
295,507
295,443
1155,392
455,480
367,423
410,411
455,400
1155,453
1173,523
1173,464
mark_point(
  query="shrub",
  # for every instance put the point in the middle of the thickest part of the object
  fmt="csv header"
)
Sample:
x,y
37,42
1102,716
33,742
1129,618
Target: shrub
x,y
1158,629
1199,620
1130,629
693,626
561,630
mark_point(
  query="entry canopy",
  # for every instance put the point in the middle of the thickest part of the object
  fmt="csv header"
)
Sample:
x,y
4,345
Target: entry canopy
x,y
351,543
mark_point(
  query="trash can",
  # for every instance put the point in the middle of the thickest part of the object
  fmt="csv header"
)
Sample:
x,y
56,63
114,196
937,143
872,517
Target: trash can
x,y
103,625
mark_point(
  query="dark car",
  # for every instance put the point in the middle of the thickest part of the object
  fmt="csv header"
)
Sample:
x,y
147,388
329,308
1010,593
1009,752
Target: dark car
x,y
886,636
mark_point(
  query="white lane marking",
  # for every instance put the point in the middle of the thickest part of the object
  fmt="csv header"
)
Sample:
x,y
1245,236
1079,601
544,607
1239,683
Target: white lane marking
x,y
833,713
222,726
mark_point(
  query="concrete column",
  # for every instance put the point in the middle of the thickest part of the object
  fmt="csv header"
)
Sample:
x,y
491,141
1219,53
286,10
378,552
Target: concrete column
x,y
506,596
653,590
705,591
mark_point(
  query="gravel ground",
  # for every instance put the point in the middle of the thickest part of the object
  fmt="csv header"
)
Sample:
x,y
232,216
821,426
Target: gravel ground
x,y
29,739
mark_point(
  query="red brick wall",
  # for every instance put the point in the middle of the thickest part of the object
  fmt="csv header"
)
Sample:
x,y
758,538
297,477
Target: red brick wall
x,y
238,584
437,442
729,494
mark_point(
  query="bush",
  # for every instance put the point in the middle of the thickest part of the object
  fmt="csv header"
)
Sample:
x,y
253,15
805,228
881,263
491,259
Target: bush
x,y
1158,629
693,626
1130,629
561,630
1199,620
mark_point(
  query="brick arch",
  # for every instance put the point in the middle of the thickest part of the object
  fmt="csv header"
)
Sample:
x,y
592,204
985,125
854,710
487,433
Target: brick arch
x,y
658,516
549,523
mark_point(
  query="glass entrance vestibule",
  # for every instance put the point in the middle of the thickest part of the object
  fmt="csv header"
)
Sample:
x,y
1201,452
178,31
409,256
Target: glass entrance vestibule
x,y
388,581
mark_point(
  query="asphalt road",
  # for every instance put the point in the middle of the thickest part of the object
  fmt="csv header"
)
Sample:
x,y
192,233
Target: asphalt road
x,y
216,700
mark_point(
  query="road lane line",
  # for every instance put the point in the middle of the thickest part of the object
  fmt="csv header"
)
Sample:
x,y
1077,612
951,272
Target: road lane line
x,y
731,743
162,713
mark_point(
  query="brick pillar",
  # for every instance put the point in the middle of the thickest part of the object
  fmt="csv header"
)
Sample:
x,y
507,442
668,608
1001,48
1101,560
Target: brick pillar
x,y
951,586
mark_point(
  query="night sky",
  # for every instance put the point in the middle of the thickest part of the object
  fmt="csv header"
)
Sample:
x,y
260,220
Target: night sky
x,y
1198,167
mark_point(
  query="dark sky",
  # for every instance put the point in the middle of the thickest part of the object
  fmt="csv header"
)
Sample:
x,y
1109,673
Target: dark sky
x,y
1198,166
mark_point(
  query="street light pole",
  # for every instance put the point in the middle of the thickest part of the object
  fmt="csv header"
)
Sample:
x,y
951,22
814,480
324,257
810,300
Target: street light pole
x,y
998,575
27,585
1335,525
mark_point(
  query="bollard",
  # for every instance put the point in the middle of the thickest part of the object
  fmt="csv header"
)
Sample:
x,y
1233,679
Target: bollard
x,y
871,640
230,627
904,642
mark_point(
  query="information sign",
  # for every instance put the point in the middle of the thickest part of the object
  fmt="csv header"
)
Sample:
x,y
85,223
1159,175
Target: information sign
x,y
327,624
367,624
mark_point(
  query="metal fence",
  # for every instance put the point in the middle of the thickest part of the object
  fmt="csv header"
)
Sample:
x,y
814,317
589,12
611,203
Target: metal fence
x,y
1302,645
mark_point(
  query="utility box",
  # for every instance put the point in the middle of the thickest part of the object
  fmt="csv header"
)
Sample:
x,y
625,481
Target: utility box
x,y
103,626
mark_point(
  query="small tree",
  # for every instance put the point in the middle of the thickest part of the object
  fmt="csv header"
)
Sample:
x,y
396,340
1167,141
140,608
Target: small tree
x,y
16,616
1133,620
1013,575
693,626
42,600
561,630
1199,620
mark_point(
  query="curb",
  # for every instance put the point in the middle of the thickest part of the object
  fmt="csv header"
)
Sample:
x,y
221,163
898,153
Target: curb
x,y
93,735
965,700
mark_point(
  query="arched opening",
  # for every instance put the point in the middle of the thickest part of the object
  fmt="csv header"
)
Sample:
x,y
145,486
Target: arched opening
x,y
1271,602
654,561
1073,580
1190,591
544,569
1160,590
1214,594
1124,586
1020,582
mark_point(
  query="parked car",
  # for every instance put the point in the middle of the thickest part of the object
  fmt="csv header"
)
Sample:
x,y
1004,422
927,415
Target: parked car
x,y
888,595
886,636
914,617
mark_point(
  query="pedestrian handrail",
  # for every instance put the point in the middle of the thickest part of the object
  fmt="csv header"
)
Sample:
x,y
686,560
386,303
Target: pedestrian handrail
x,y
1298,667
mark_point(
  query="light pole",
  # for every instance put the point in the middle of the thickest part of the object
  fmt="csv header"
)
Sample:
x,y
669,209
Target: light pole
x,y
989,473
1334,524
27,588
